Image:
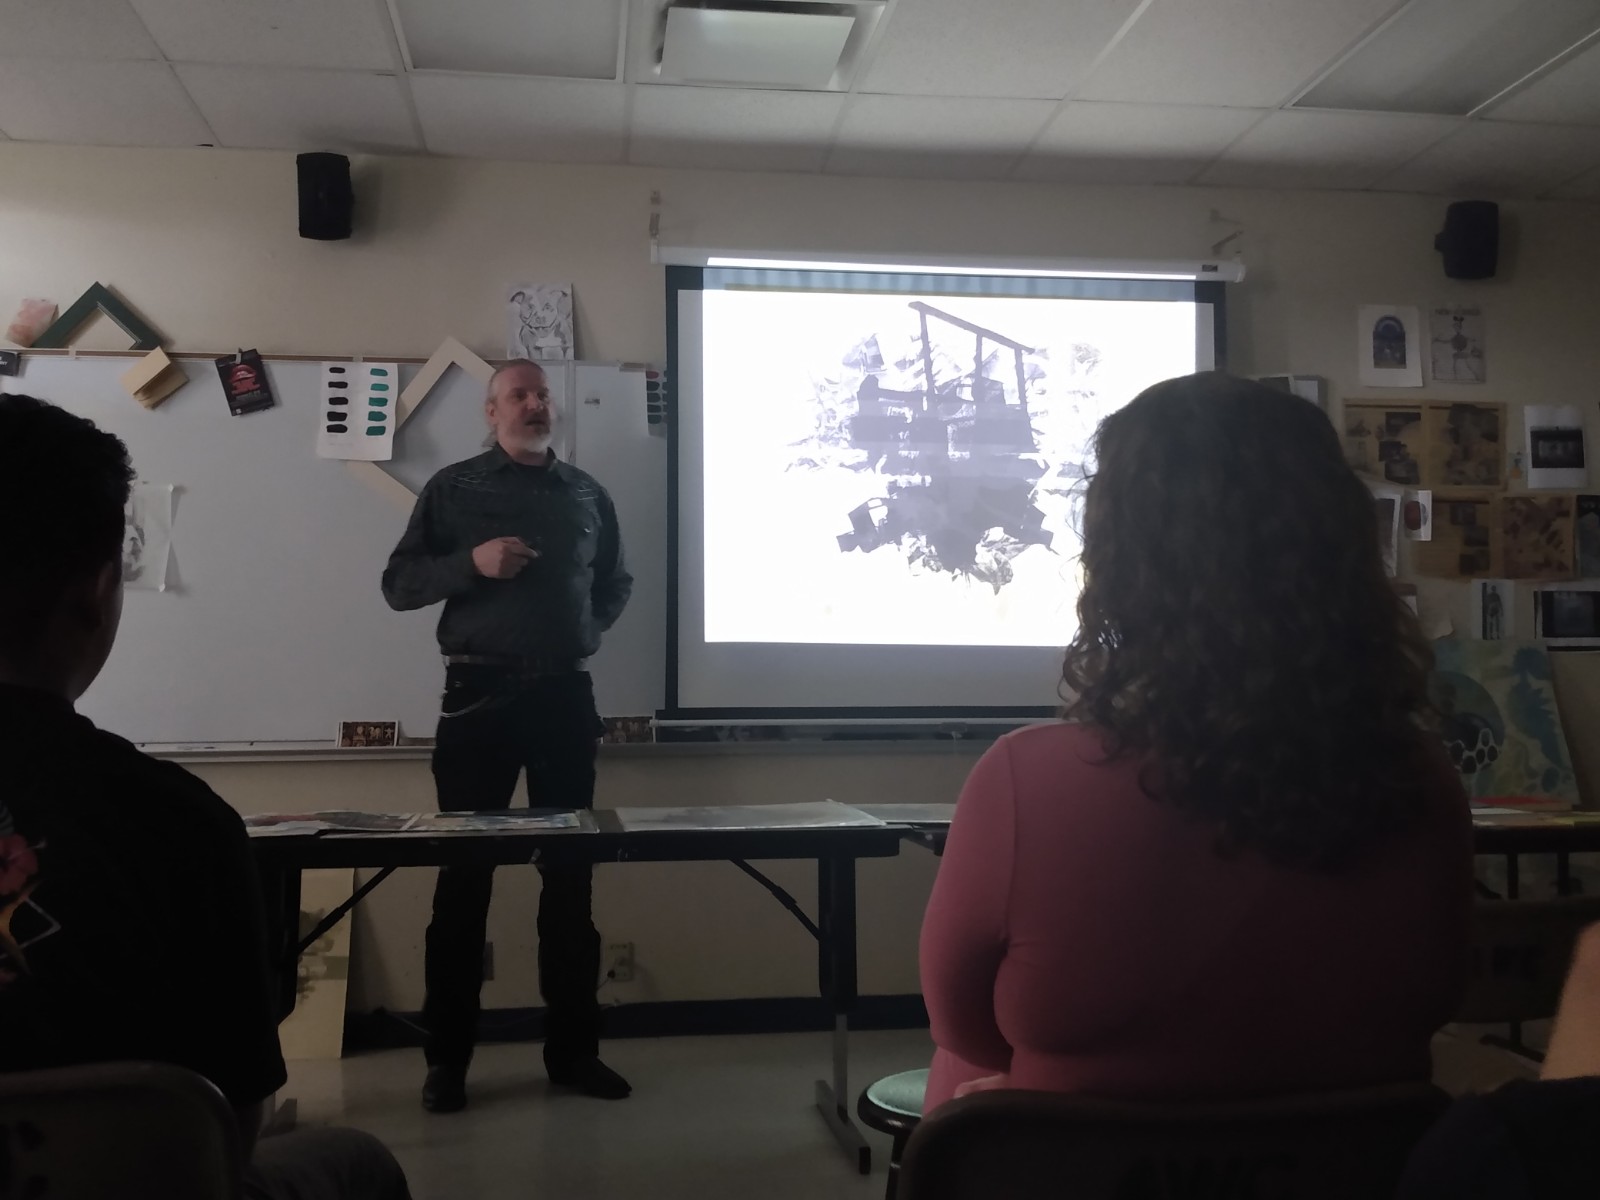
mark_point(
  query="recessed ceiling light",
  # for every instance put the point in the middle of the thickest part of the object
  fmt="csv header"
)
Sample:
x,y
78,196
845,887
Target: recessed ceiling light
x,y
1453,56
787,45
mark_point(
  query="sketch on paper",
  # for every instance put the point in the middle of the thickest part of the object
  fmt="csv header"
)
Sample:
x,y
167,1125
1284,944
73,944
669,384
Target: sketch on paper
x,y
1536,537
1456,344
1388,346
1500,725
1493,615
147,537
539,321
907,469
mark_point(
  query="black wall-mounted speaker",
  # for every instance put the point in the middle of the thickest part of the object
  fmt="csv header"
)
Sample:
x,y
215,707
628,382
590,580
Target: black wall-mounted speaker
x,y
326,197
1470,240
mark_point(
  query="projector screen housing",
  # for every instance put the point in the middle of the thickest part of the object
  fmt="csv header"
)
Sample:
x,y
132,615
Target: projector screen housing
x,y
875,476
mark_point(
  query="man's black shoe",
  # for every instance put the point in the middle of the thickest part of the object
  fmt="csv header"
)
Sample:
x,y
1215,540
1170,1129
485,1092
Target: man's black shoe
x,y
446,1089
591,1077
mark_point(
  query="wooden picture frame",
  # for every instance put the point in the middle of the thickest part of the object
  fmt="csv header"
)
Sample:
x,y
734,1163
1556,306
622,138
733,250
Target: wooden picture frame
x,y
98,299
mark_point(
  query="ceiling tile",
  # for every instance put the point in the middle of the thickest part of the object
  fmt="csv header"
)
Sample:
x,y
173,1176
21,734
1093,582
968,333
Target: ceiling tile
x,y
1037,48
728,128
275,108
548,120
1569,95
568,38
1245,53
935,137
271,33
1133,143
72,29
97,103
1295,149
1500,158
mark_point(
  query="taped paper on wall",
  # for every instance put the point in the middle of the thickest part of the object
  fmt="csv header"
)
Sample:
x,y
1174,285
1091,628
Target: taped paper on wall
x,y
1386,505
1389,345
1417,516
1588,537
356,420
147,537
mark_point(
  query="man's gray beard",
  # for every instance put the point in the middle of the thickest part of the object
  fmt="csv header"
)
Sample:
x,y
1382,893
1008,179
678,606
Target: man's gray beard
x,y
525,444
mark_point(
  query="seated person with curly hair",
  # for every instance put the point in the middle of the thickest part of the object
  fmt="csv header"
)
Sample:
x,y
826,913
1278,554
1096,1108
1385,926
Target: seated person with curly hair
x,y
131,921
1242,866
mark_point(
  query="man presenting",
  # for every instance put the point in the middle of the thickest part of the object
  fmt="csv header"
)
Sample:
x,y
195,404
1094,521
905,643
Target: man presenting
x,y
525,553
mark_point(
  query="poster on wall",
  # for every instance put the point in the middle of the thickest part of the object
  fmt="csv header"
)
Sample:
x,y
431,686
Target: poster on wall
x,y
1493,609
539,321
1456,345
245,382
1389,346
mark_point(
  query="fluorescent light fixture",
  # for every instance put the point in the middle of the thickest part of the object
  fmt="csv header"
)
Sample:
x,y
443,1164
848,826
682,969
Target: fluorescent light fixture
x,y
1453,56
775,49
1065,268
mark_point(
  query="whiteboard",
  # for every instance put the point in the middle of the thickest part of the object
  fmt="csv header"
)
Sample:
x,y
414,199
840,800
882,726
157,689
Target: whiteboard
x,y
273,627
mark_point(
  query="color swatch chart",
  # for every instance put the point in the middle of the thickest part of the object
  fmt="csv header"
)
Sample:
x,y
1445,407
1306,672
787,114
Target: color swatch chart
x,y
357,416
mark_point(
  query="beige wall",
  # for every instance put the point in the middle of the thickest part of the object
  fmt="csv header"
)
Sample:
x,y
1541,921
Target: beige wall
x,y
203,244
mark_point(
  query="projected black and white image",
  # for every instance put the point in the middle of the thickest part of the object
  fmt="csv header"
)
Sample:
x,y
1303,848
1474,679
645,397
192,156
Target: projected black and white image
x,y
907,470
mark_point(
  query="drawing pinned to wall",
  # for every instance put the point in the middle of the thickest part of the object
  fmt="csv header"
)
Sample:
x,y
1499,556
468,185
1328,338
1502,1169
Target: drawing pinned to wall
x,y
1501,728
147,537
1493,609
1588,536
539,321
1388,346
1467,442
1456,342
1416,516
1554,439
33,317
1537,537
358,415
1385,441
245,382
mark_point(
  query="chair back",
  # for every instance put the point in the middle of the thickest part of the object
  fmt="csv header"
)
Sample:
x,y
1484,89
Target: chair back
x,y
114,1131
1012,1145
1521,951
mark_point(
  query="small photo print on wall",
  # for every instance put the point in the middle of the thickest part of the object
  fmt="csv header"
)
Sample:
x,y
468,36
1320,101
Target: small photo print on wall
x,y
363,735
1388,346
539,321
1555,448
1567,614
1456,344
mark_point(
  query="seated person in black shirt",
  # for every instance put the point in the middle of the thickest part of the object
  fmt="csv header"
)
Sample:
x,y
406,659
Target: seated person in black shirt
x,y
131,922
1528,1140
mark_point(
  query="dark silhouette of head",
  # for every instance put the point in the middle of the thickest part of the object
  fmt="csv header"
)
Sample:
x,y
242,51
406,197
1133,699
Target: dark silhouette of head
x,y
63,487
1237,629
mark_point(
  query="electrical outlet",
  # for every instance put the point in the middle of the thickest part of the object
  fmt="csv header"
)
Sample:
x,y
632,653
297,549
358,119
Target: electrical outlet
x,y
619,957
488,961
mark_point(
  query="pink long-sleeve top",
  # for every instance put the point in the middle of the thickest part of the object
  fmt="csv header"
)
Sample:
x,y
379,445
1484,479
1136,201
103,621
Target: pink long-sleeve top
x,y
1084,937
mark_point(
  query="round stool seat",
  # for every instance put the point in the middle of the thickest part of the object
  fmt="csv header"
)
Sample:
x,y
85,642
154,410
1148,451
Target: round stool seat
x,y
894,1103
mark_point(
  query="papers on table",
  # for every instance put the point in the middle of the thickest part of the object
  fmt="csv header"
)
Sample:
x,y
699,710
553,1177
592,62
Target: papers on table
x,y
822,814
517,821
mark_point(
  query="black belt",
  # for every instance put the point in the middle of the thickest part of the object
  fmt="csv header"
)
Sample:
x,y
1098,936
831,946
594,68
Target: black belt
x,y
521,664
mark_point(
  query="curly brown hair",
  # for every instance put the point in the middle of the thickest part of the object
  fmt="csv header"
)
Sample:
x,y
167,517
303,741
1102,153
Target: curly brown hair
x,y
1237,630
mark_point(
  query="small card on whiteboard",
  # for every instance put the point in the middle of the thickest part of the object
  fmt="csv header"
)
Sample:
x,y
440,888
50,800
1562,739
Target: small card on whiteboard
x,y
357,416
